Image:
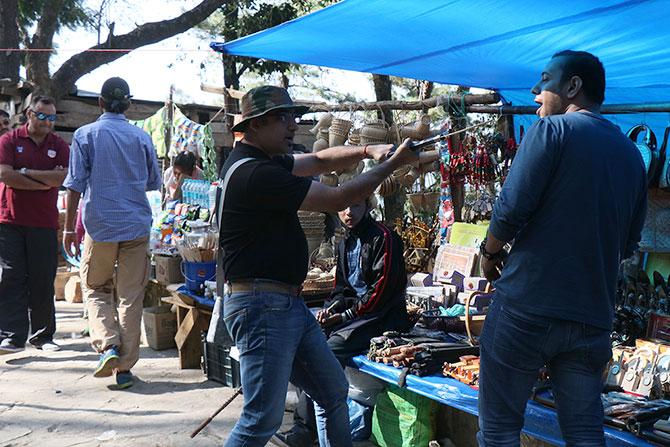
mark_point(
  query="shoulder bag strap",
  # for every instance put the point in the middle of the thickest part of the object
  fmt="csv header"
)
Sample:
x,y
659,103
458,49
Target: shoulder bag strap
x,y
224,186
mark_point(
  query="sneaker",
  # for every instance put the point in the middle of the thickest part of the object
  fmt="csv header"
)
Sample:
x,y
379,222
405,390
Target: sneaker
x,y
109,360
124,379
7,346
297,436
49,345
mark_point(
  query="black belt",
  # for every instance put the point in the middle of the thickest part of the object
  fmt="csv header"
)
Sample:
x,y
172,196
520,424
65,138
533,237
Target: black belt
x,y
263,285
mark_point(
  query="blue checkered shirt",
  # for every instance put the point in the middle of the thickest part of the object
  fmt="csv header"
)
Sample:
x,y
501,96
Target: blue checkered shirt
x,y
113,163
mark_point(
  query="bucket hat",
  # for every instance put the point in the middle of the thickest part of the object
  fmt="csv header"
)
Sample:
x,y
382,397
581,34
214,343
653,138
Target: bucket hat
x,y
261,100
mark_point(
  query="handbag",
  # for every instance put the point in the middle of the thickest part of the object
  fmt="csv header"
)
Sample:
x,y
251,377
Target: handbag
x,y
648,149
664,163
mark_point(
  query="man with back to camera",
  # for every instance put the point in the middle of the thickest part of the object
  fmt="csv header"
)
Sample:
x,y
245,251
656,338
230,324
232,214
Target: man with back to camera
x,y
265,262
368,300
32,160
115,164
574,203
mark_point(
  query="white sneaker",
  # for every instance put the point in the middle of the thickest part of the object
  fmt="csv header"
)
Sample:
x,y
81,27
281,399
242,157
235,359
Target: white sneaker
x,y
7,346
47,346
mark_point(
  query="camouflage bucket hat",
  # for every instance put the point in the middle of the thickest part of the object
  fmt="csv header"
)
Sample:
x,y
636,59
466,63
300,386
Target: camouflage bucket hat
x,y
261,100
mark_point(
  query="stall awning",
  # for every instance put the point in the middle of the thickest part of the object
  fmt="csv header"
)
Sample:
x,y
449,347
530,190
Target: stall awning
x,y
501,45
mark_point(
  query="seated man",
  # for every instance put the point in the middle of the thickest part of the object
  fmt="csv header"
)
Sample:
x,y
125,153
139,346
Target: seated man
x,y
368,300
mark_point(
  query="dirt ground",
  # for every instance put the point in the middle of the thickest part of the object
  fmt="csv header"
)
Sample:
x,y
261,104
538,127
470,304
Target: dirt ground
x,y
51,399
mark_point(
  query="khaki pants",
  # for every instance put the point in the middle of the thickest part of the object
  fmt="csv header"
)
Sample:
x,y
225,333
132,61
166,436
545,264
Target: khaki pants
x,y
115,307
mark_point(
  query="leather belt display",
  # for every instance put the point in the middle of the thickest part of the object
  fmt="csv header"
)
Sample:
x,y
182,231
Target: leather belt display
x,y
263,286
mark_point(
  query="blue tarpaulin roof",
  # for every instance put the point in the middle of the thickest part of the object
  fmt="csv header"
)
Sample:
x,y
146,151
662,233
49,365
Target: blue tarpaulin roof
x,y
496,44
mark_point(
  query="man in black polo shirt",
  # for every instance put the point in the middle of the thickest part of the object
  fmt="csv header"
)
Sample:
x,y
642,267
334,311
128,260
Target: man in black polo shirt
x,y
265,262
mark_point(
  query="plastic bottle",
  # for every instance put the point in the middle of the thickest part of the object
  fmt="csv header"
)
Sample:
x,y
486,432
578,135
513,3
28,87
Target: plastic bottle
x,y
212,195
186,191
204,194
200,200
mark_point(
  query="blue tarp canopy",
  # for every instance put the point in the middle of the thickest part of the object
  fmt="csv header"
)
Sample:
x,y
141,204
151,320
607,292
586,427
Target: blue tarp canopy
x,y
500,45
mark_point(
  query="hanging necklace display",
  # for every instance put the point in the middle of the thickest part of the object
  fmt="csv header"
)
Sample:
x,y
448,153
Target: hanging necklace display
x,y
446,210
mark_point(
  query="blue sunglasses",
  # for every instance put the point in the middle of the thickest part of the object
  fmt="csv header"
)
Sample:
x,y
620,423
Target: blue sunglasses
x,y
43,116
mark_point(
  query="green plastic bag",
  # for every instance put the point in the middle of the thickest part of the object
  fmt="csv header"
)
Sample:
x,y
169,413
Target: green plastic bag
x,y
403,418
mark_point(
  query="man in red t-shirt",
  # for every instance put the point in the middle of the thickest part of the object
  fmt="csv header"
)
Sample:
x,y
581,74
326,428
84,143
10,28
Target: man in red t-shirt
x,y
33,163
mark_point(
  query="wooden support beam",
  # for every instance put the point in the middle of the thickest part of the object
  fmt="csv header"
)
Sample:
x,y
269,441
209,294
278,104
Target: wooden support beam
x,y
456,100
607,109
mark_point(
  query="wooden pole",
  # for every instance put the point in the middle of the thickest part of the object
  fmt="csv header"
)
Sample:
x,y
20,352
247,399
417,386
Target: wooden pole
x,y
456,100
220,409
473,104
607,109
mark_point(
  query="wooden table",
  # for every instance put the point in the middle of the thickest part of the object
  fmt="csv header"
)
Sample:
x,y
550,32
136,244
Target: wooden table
x,y
192,320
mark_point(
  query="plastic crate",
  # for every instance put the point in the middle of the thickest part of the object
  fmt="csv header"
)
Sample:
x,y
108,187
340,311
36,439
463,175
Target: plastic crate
x,y
218,365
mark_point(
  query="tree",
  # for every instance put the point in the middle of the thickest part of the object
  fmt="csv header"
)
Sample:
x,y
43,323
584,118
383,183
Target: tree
x,y
244,17
9,38
48,16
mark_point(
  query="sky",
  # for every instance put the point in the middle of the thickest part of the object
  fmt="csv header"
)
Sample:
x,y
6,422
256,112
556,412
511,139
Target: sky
x,y
150,70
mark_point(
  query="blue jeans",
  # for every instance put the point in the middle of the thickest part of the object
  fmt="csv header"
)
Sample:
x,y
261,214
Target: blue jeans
x,y
514,346
280,340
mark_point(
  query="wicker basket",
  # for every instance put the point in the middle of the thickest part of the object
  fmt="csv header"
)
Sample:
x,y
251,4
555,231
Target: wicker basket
x,y
355,137
388,186
338,131
374,132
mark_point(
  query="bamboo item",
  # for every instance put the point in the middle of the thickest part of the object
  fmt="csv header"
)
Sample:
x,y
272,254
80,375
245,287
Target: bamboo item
x,y
323,123
387,187
338,131
319,145
374,132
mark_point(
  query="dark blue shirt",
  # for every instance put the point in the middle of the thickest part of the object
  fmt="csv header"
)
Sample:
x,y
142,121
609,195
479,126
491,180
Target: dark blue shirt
x,y
574,202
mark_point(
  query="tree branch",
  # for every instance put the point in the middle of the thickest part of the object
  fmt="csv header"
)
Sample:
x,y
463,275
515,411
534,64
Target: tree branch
x,y
80,64
245,66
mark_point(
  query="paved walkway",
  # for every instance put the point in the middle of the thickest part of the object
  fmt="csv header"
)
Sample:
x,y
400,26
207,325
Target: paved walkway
x,y
51,399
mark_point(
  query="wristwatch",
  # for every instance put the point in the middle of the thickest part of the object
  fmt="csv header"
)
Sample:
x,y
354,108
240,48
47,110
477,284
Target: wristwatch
x,y
502,254
23,171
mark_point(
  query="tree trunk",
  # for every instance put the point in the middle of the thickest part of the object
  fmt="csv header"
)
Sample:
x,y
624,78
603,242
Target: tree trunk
x,y
383,92
9,38
63,81
37,63
426,89
395,203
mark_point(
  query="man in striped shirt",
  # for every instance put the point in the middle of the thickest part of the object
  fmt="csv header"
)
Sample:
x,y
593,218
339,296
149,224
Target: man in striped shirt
x,y
113,163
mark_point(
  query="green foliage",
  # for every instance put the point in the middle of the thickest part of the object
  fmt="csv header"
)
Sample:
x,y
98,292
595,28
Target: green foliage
x,y
239,19
72,15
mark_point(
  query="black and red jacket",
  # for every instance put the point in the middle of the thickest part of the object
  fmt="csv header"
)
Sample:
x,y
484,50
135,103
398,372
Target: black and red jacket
x,y
383,271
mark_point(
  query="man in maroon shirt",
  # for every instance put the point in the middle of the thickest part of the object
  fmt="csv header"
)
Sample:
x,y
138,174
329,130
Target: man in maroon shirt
x,y
32,167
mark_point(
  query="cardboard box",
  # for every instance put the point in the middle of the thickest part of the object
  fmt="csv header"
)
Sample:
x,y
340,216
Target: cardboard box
x,y
62,277
73,290
168,269
160,327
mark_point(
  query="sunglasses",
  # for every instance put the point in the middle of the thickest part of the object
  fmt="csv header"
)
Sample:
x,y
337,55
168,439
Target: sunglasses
x,y
44,116
4,122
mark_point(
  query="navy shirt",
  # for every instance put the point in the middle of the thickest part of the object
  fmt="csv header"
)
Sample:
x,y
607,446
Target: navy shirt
x,y
260,234
574,202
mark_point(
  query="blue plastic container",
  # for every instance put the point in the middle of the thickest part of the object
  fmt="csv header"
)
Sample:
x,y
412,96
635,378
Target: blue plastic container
x,y
196,273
